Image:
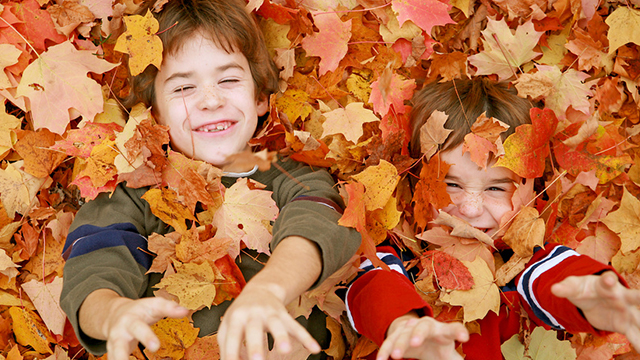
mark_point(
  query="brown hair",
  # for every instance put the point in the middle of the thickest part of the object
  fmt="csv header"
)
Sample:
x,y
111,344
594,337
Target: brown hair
x,y
465,100
226,23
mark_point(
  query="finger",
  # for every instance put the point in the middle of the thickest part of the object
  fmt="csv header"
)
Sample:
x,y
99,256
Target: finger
x,y
280,336
452,332
232,336
387,346
633,335
254,338
143,333
119,349
159,308
569,287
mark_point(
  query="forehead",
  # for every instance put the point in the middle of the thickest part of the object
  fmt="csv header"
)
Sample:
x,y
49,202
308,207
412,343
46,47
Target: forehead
x,y
463,167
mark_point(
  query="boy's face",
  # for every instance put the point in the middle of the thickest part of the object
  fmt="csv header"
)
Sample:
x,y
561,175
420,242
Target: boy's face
x,y
207,98
480,196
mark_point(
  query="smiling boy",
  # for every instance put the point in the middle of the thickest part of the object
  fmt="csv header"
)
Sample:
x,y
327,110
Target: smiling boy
x,y
558,288
212,86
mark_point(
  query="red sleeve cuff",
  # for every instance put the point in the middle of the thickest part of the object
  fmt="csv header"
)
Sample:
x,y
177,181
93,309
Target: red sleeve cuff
x,y
379,297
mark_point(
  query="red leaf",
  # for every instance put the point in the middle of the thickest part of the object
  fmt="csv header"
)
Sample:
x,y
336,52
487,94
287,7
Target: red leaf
x,y
527,149
450,272
424,13
430,190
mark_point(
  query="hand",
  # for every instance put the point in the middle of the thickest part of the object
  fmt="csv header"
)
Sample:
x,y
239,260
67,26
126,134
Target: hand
x,y
253,313
410,336
124,322
605,303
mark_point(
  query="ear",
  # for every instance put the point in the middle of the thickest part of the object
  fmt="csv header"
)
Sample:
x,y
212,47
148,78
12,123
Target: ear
x,y
262,104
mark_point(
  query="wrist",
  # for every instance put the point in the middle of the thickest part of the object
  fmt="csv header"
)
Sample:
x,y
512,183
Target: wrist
x,y
401,320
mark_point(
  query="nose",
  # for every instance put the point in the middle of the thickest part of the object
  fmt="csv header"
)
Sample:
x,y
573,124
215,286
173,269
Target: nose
x,y
210,98
471,204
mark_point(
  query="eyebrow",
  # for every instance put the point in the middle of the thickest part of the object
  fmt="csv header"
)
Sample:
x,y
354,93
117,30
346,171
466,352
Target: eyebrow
x,y
186,74
493,181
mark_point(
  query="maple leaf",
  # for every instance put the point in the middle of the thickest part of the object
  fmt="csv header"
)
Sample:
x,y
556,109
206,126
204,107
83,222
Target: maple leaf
x,y
165,205
606,167
46,298
588,50
330,43
176,336
30,331
193,284
294,104
482,298
626,222
348,121
433,133
141,42
507,51
80,142
203,348
512,268
18,188
527,149
424,13
8,56
488,128
244,216
450,272
543,344
380,182
449,66
390,89
39,160
479,148
69,15
526,232
57,81
563,89
165,249
602,246
431,191
624,27
35,24
8,123
458,247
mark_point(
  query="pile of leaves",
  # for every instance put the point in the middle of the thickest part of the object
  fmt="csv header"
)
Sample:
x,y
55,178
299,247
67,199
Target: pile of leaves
x,y
348,69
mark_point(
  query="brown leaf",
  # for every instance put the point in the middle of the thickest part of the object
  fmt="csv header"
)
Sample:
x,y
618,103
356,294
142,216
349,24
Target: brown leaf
x,y
433,134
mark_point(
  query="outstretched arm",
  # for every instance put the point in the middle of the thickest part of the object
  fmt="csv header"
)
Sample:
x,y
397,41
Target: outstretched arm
x,y
411,336
123,322
293,267
605,303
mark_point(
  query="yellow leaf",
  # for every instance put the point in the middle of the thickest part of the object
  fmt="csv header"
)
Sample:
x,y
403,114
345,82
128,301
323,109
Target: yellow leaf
x,y
175,335
30,331
348,121
100,166
294,103
526,232
359,84
7,124
626,222
141,42
193,284
482,298
380,182
543,345
17,188
624,27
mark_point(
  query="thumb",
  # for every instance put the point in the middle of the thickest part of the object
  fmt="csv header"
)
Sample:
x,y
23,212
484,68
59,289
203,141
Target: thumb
x,y
566,288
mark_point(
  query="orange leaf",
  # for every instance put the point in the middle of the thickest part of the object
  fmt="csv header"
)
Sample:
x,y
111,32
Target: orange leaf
x,y
431,191
390,89
204,348
526,232
433,133
176,336
165,205
33,146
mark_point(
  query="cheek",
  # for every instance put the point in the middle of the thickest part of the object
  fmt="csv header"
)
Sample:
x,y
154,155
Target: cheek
x,y
498,207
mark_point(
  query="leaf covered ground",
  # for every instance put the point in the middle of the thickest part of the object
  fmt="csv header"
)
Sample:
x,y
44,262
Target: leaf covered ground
x,y
348,69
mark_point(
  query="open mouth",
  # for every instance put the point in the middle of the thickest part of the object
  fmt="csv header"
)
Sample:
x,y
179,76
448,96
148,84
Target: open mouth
x,y
217,127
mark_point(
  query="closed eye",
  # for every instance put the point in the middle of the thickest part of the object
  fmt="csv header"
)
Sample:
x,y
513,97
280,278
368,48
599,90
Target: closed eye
x,y
182,89
495,188
453,185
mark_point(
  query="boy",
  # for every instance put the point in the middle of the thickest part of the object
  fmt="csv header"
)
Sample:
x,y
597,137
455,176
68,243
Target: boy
x,y
213,85
559,287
